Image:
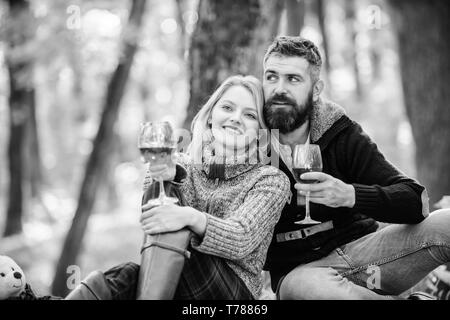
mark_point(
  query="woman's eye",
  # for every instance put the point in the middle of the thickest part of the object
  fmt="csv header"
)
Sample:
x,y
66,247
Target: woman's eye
x,y
251,116
2,274
226,107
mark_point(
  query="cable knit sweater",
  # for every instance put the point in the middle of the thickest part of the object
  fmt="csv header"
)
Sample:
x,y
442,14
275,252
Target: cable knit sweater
x,y
242,210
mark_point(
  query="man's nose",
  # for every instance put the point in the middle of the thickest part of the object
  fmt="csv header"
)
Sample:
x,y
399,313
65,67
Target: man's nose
x,y
280,87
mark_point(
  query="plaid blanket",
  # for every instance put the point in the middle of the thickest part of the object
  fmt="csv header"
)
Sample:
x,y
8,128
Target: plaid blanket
x,y
204,277
122,281
28,294
207,277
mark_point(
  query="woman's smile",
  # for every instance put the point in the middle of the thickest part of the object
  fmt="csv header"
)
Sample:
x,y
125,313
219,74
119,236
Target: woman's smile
x,y
233,129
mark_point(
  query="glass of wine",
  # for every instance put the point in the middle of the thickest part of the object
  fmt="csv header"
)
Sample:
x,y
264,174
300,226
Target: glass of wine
x,y
306,158
157,145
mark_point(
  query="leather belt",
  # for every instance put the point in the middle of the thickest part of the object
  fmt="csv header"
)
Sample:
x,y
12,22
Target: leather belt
x,y
304,233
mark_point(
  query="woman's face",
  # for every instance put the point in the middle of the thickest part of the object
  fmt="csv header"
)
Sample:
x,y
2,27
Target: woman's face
x,y
235,112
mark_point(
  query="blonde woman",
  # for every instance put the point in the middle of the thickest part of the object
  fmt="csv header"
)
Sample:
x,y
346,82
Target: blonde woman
x,y
231,201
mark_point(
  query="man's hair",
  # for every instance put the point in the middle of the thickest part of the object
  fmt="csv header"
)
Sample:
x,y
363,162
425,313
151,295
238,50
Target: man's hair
x,y
297,47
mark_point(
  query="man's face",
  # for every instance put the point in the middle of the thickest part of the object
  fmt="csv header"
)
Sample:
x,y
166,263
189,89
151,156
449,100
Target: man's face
x,y
288,92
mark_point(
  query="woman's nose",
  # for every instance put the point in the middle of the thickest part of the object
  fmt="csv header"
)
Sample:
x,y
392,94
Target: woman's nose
x,y
17,275
236,117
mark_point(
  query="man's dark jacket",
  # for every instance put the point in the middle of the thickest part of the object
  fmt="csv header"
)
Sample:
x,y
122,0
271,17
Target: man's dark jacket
x,y
382,193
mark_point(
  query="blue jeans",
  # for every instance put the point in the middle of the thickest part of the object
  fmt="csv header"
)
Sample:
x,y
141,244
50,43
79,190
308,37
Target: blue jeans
x,y
378,266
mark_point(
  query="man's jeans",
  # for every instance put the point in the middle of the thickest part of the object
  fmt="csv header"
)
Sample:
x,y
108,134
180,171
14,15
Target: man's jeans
x,y
377,266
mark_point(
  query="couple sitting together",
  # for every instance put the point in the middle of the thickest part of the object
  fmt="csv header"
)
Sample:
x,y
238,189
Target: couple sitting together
x,y
242,214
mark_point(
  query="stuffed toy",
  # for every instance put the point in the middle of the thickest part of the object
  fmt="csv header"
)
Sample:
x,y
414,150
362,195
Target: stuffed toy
x,y
12,279
13,284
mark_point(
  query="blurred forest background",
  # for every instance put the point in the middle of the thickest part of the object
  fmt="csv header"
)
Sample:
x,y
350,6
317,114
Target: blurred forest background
x,y
78,77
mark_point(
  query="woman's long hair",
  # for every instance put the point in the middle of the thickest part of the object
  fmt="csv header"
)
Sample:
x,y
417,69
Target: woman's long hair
x,y
201,129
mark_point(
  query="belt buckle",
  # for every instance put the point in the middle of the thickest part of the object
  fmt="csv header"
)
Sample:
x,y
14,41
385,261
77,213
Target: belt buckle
x,y
293,235
304,233
288,236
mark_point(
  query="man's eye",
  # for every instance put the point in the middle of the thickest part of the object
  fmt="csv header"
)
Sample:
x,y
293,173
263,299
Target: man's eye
x,y
271,77
2,274
294,79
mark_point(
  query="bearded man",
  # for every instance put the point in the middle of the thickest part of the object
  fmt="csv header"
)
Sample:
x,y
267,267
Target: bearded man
x,y
346,256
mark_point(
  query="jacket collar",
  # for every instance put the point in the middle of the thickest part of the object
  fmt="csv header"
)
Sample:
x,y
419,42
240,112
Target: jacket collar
x,y
326,120
324,115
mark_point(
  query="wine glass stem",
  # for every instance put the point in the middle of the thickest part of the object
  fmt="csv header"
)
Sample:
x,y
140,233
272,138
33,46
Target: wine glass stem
x,y
162,193
307,205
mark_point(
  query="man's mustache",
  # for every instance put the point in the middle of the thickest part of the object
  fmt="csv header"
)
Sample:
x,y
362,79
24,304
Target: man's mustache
x,y
280,99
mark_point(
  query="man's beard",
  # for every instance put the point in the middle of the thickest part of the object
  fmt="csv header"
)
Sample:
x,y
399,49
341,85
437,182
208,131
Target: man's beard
x,y
289,118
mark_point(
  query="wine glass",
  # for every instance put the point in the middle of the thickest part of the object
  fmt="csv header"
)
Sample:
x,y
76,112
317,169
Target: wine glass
x,y
306,158
157,145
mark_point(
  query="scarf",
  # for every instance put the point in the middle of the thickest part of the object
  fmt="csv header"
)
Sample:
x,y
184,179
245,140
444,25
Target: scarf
x,y
225,155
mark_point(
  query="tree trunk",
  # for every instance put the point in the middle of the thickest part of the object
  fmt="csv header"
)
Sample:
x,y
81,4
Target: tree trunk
x,y
180,5
350,19
266,31
320,11
109,181
21,102
295,15
33,154
376,53
34,181
220,46
424,50
102,146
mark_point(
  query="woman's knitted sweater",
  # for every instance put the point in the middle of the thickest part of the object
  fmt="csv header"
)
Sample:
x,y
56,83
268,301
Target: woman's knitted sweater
x,y
241,209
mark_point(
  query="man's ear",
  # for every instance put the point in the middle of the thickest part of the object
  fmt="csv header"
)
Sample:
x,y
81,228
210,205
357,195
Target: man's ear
x,y
317,89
